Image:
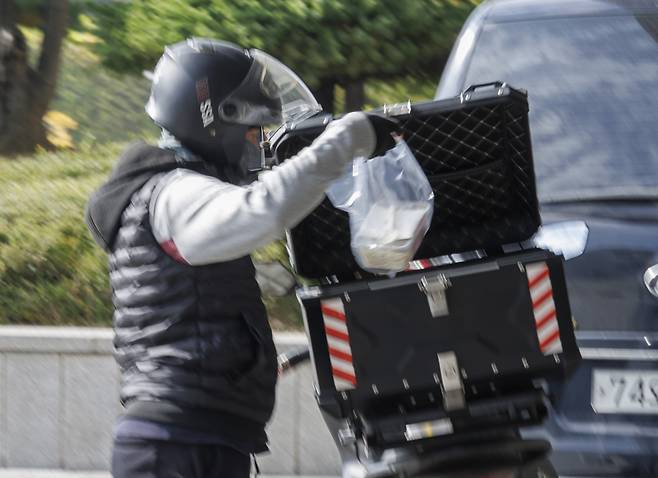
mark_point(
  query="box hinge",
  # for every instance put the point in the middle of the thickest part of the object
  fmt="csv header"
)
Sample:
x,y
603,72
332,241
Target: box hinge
x,y
435,290
398,109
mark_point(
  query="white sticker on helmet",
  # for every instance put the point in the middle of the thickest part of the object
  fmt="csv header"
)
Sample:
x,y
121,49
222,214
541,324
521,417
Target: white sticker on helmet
x,y
205,105
206,113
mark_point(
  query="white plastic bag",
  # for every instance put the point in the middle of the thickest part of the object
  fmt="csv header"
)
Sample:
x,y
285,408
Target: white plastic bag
x,y
390,204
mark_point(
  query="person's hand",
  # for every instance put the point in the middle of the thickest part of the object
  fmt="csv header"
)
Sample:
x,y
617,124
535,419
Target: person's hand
x,y
385,127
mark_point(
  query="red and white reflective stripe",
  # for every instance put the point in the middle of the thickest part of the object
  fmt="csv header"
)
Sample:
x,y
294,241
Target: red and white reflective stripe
x,y
543,306
420,264
338,339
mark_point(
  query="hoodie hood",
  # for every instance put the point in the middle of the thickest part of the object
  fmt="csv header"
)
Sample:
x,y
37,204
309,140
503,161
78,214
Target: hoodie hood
x,y
135,167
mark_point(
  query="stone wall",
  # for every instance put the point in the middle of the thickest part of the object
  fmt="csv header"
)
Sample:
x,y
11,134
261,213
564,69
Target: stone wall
x,y
59,400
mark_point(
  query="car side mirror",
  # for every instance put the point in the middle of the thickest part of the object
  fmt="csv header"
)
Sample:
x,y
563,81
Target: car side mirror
x,y
274,279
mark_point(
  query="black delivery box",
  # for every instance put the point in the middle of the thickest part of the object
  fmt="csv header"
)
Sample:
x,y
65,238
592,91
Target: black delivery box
x,y
459,346
455,346
475,150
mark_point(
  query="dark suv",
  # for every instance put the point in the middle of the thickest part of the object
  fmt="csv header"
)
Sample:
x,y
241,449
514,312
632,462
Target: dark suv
x,y
591,70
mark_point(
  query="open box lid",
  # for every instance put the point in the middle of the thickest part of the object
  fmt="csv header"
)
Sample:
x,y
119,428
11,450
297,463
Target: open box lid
x,y
476,152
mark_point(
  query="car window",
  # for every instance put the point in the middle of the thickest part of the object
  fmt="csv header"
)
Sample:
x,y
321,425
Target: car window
x,y
593,91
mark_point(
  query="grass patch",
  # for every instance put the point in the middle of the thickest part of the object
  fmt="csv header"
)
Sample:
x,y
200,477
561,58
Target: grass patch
x,y
51,271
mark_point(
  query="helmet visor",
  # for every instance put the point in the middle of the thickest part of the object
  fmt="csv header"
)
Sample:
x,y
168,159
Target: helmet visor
x,y
270,94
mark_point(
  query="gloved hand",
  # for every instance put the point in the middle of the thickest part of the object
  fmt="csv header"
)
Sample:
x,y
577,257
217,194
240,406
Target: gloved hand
x,y
384,127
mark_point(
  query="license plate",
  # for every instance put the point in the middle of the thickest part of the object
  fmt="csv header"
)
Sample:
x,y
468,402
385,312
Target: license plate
x,y
625,391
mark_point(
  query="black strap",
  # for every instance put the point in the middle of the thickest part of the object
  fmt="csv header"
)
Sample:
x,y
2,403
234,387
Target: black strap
x,y
256,467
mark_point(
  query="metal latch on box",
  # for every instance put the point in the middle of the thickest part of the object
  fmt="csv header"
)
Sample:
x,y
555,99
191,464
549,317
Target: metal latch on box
x,y
435,290
451,382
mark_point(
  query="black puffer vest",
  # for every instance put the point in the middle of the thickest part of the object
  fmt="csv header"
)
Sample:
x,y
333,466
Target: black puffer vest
x,y
189,339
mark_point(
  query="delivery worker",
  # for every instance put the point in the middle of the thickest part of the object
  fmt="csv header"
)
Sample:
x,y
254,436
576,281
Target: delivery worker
x,y
179,221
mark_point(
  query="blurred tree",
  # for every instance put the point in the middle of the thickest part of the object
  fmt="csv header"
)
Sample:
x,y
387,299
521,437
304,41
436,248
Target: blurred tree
x,y
327,42
26,90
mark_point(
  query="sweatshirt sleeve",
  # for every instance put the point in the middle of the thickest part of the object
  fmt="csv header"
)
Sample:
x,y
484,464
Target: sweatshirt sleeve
x,y
201,220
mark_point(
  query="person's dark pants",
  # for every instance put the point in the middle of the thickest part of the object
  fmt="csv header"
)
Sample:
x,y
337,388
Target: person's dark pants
x,y
161,459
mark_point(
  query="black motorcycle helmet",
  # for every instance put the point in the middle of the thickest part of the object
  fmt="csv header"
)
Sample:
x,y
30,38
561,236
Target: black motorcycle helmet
x,y
216,97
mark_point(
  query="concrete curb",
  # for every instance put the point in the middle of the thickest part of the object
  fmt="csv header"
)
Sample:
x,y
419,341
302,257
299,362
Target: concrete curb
x,y
82,340
27,473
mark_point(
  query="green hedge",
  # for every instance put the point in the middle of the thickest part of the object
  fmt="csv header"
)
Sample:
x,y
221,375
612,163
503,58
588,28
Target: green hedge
x,y
51,271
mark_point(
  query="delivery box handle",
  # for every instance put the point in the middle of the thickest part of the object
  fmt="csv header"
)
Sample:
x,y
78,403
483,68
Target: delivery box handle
x,y
468,92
